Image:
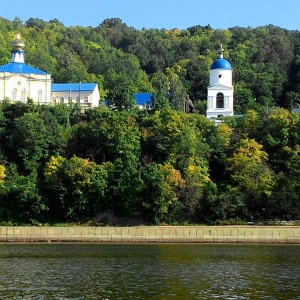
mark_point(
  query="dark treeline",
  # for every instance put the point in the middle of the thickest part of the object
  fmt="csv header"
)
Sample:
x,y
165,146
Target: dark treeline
x,y
58,164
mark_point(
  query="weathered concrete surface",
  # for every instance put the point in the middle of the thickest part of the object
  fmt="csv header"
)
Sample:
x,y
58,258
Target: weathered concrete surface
x,y
151,234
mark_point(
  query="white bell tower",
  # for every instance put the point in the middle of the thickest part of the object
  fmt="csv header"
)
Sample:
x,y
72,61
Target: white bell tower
x,y
220,89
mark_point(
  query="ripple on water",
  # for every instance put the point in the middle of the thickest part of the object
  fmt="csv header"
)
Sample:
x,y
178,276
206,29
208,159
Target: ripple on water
x,y
65,271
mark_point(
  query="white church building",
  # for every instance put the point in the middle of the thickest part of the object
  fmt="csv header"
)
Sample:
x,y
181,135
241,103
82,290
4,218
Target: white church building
x,y
220,89
85,94
19,81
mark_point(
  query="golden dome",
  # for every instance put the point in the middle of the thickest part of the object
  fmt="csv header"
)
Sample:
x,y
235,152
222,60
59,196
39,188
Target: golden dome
x,y
17,43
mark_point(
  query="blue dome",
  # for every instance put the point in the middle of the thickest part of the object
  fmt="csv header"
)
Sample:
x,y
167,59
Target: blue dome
x,y
221,63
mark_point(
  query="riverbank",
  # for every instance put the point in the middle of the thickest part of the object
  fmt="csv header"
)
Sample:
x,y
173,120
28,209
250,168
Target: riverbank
x,y
155,234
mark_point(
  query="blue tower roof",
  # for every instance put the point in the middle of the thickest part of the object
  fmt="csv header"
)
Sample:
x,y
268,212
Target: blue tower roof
x,y
20,68
221,63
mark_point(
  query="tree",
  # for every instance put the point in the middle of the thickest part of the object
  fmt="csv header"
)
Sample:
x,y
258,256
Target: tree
x,y
243,99
122,94
275,136
2,174
69,67
253,179
57,123
197,76
285,201
162,186
21,199
196,182
176,93
118,33
27,142
292,100
123,150
75,187
159,82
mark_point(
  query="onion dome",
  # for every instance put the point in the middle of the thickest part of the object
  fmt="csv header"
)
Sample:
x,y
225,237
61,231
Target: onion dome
x,y
17,44
221,63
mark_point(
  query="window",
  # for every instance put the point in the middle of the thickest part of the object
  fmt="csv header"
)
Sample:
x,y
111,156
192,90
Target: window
x,y
62,100
40,95
23,95
86,100
220,100
14,94
77,100
54,100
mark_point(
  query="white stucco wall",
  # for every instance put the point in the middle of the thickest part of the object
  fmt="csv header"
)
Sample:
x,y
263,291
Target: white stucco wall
x,y
212,110
93,97
31,83
220,77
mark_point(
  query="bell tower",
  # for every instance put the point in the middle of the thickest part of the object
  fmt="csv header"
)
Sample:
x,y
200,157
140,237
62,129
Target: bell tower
x,y
220,89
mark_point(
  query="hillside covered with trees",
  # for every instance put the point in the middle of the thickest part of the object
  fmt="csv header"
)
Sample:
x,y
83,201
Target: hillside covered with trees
x,y
59,164
124,61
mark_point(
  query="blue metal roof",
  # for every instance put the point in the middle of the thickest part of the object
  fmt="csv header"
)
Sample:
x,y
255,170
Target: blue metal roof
x,y
66,87
21,68
221,63
143,98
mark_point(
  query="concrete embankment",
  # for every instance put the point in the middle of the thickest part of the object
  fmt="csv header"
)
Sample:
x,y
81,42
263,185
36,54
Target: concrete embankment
x,y
152,234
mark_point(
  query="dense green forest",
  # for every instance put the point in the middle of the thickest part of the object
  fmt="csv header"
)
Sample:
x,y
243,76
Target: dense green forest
x,y
60,164
124,61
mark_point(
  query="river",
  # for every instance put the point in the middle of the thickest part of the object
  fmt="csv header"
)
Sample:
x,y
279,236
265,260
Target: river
x,y
149,271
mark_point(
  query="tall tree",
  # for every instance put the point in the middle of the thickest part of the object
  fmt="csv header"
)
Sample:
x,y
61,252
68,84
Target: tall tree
x,y
27,142
162,185
253,178
75,187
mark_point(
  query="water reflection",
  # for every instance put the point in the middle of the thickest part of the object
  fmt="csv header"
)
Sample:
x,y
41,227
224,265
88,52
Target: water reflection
x,y
149,271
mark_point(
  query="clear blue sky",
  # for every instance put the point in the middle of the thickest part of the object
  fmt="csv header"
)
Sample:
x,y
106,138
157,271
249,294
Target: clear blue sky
x,y
159,13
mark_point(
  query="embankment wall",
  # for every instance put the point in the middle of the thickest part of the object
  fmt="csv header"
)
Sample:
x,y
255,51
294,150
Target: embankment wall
x,y
152,234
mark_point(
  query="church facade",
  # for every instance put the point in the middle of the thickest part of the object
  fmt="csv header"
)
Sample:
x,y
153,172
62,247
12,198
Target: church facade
x,y
220,89
85,94
20,82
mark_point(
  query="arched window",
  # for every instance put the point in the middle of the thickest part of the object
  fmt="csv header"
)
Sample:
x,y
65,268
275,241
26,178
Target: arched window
x,y
54,100
220,100
23,95
62,100
86,100
14,94
40,95
77,100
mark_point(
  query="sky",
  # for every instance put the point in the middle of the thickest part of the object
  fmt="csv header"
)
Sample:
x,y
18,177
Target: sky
x,y
182,14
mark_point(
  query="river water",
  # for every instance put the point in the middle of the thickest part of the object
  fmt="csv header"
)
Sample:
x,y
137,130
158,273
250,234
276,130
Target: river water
x,y
149,271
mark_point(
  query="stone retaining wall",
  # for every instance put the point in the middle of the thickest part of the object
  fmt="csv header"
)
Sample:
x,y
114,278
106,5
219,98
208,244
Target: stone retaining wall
x,y
151,234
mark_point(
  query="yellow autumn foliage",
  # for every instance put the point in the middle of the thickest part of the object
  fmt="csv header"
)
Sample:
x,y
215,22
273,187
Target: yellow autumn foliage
x,y
52,168
225,133
2,174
